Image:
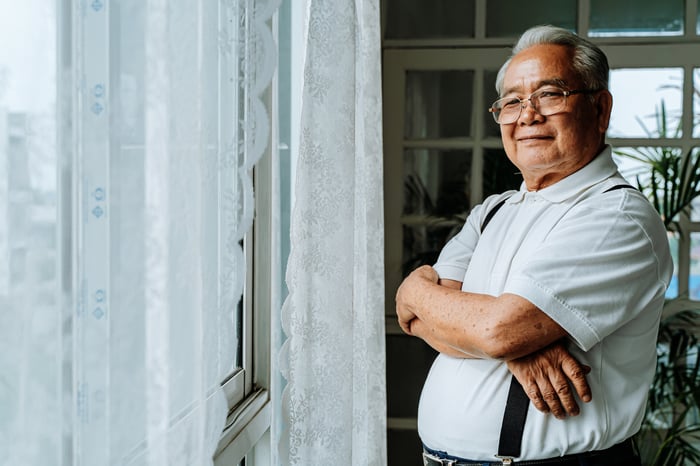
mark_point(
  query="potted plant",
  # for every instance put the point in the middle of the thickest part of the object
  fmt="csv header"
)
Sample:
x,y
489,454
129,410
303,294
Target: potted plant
x,y
670,433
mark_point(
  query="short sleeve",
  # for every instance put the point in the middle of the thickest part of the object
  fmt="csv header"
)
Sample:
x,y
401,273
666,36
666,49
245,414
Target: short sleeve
x,y
601,266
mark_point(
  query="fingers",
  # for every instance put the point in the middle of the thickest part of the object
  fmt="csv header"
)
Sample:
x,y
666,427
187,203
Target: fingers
x,y
532,390
577,376
550,399
553,393
561,400
405,326
555,398
553,383
426,272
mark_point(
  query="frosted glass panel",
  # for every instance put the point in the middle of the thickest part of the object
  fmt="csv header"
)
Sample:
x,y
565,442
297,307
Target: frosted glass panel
x,y
428,19
640,97
509,18
636,18
438,104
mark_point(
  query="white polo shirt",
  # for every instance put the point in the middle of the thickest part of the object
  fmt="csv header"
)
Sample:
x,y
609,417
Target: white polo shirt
x,y
598,264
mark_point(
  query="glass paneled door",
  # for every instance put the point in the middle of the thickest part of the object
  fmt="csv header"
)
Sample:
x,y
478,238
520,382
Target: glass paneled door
x,y
443,155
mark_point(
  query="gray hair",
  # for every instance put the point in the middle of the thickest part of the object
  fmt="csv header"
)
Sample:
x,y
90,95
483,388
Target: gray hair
x,y
589,62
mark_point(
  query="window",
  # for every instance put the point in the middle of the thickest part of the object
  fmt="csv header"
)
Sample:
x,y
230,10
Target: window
x,y
122,210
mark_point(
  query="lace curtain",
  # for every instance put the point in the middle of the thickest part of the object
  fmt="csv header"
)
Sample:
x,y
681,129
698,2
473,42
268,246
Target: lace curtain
x,y
334,402
120,260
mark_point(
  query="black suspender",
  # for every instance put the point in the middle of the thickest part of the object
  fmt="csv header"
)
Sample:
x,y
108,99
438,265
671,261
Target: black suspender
x,y
517,404
619,186
513,423
491,213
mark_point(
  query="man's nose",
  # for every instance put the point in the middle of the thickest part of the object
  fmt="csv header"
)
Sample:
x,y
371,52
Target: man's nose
x,y
528,112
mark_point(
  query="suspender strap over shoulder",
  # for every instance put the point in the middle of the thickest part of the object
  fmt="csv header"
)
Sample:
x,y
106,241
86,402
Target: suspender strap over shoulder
x,y
619,186
491,213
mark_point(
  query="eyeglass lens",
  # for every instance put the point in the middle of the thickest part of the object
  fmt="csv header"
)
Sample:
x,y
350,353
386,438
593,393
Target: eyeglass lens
x,y
544,102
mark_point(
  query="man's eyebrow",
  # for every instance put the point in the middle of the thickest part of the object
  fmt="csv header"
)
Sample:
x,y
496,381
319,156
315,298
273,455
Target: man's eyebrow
x,y
545,82
552,82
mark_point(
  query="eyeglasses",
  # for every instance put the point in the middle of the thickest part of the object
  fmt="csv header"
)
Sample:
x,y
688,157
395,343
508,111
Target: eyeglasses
x,y
546,102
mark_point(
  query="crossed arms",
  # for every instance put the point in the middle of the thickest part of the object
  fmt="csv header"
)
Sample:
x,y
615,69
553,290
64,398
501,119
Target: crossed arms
x,y
509,327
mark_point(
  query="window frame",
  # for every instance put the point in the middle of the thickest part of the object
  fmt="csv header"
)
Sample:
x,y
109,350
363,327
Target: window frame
x,y
247,390
247,433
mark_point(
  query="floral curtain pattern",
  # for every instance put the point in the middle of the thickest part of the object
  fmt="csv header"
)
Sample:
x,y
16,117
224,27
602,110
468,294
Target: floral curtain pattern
x,y
334,401
122,268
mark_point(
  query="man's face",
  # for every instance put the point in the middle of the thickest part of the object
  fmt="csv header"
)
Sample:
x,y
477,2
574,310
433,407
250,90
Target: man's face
x,y
547,149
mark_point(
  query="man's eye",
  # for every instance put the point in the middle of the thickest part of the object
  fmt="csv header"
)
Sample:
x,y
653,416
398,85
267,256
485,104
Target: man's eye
x,y
513,103
550,93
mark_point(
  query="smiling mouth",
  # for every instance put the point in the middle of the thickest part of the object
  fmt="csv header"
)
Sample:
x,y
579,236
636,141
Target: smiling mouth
x,y
534,138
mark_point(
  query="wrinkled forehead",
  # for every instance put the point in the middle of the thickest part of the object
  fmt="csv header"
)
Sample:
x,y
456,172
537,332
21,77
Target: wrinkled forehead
x,y
538,66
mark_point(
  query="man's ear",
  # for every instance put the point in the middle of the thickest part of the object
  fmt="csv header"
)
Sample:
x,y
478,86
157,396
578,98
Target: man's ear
x,y
603,106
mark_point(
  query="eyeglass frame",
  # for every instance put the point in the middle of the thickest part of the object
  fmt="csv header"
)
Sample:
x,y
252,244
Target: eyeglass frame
x,y
565,93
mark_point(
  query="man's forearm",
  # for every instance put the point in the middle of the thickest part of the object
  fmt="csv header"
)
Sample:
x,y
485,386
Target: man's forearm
x,y
422,331
545,371
504,327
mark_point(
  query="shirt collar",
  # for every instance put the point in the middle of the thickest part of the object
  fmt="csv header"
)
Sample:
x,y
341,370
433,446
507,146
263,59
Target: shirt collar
x,y
600,168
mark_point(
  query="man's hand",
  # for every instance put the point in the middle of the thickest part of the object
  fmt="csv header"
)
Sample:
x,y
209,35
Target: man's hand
x,y
547,376
409,293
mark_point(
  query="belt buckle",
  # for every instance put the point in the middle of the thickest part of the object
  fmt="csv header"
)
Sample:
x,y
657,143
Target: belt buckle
x,y
442,461
505,459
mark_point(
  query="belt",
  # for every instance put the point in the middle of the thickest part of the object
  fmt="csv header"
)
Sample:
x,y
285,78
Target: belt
x,y
618,454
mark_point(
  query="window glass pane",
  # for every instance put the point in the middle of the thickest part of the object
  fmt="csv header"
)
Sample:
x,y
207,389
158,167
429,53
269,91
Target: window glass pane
x,y
628,165
647,102
635,165
491,128
428,19
438,104
695,210
436,199
636,18
436,182
509,18
694,279
32,309
696,103
697,27
423,240
672,291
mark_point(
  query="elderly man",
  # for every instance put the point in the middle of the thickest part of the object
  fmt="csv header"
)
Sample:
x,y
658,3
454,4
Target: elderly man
x,y
559,285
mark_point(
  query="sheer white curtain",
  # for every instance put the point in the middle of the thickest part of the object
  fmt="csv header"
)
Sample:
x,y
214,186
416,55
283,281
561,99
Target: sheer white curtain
x,y
124,195
333,359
